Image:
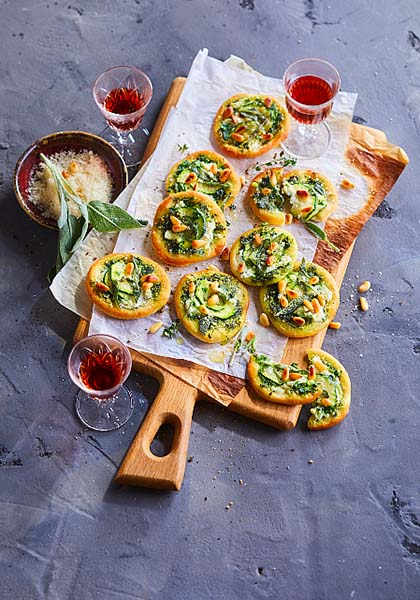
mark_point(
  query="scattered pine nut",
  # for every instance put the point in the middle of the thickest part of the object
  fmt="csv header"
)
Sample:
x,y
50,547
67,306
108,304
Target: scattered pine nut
x,y
228,112
306,210
266,191
284,302
268,101
242,180
347,185
147,285
326,402
102,287
191,178
264,320
273,247
213,168
312,374
318,364
204,310
241,268
65,174
288,219
321,299
73,167
364,305
213,300
129,268
316,305
281,285
285,374
267,136
313,280
292,293
214,286
273,179
198,243
302,194
308,304
152,278
224,175
270,260
257,239
191,287
249,336
155,327
237,137
364,287
334,325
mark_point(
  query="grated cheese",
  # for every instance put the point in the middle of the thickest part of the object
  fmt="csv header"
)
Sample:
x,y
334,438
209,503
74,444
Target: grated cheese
x,y
86,173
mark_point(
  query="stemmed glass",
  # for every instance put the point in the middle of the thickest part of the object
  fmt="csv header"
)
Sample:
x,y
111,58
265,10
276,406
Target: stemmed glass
x,y
123,94
99,365
311,84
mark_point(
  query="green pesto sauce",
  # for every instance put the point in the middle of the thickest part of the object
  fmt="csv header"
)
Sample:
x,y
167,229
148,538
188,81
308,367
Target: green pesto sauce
x,y
272,202
207,182
318,194
329,381
270,378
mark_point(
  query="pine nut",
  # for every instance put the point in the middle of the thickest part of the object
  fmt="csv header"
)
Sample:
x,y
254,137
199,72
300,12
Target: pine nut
x,y
270,261
237,137
268,101
198,244
249,336
292,293
288,219
273,179
281,285
129,268
316,305
302,193
204,310
364,287
321,299
285,374
363,304
155,327
313,280
295,376
241,268
347,185
266,191
214,286
224,175
308,305
311,373
228,112
73,167
284,302
191,178
191,287
147,285
273,247
225,254
306,210
335,325
264,320
213,300
102,287
179,228
65,174
242,180
213,168
152,278
267,136
298,320
257,239
318,364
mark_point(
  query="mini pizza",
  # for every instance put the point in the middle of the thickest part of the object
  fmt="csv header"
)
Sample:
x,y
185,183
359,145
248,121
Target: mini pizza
x,y
265,196
188,227
310,195
285,384
250,125
303,302
333,403
262,255
211,305
208,173
127,286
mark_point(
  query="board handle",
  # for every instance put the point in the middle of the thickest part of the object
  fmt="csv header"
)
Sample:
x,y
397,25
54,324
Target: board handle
x,y
174,406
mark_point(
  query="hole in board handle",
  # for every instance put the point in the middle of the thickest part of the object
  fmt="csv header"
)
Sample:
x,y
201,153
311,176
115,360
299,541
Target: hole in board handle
x,y
162,443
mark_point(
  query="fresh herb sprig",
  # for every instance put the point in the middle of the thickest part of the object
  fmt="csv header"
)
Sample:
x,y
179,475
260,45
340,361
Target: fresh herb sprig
x,y
320,234
102,216
243,345
279,160
182,147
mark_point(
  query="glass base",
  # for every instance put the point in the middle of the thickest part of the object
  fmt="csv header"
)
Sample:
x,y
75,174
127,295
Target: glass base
x,y
307,141
105,415
129,145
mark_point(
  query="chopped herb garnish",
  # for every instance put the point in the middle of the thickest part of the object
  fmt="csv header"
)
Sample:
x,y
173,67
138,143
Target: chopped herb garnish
x,y
171,331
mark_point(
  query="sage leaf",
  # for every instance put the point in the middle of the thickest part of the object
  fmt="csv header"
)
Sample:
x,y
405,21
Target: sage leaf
x,y
109,217
320,234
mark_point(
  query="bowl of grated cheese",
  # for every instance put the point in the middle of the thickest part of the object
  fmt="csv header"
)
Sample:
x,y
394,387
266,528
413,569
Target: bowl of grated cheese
x,y
93,168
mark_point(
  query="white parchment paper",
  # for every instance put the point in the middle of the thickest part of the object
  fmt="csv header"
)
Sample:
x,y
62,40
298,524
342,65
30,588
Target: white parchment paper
x,y
209,83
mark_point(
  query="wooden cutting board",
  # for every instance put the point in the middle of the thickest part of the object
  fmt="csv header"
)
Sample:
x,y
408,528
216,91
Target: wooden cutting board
x,y
182,384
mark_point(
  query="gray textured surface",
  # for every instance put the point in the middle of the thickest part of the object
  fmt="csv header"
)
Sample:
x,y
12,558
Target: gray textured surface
x,y
346,526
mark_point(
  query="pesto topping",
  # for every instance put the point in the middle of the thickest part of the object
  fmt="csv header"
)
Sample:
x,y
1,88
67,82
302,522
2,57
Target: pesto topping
x,y
329,403
272,378
214,300
267,192
266,253
127,283
305,295
306,195
253,122
190,228
203,174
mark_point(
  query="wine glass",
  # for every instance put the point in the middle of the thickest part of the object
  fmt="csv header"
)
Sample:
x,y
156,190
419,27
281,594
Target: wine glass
x,y
311,84
123,95
99,365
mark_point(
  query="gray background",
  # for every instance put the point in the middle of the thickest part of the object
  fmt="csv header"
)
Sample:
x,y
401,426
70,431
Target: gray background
x,y
345,526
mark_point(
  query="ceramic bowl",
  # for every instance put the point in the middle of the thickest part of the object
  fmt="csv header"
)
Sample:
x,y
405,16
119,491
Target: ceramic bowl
x,y
55,142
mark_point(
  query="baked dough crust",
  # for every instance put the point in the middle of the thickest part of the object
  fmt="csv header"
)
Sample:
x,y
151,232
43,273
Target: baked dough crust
x,y
197,315
191,208
286,325
232,184
282,394
114,302
238,149
345,383
249,261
